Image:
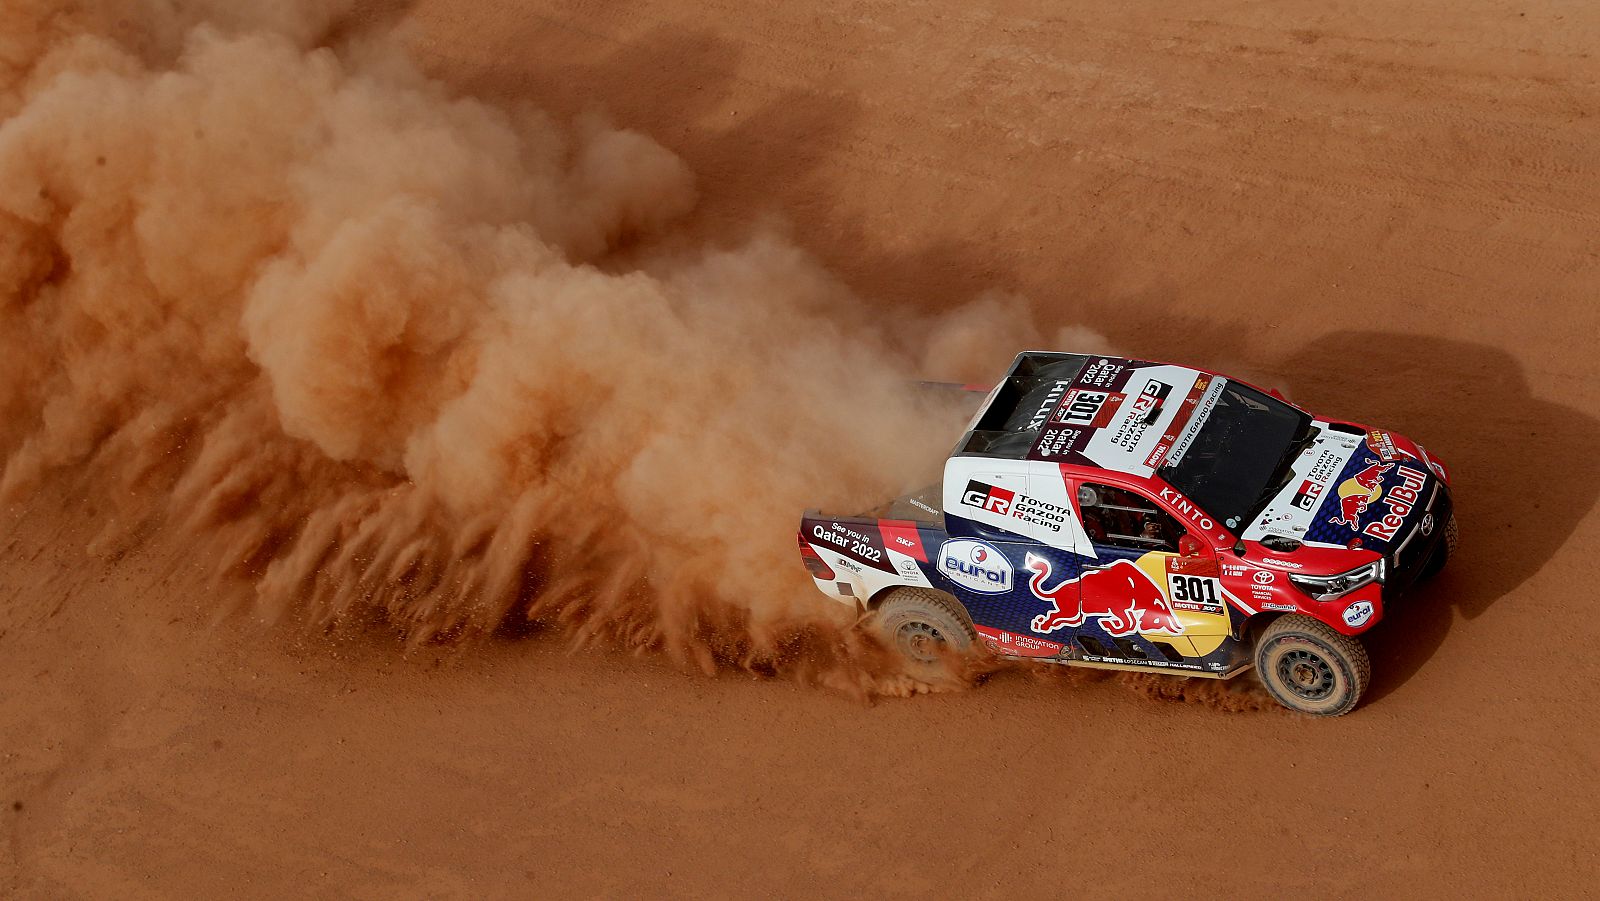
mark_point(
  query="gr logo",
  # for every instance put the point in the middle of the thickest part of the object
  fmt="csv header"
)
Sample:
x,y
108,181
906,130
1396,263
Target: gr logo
x,y
991,498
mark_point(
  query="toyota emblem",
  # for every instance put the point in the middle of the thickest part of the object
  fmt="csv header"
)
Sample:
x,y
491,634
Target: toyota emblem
x,y
1427,525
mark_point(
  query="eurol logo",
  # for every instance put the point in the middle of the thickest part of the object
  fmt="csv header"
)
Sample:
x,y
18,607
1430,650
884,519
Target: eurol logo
x,y
976,566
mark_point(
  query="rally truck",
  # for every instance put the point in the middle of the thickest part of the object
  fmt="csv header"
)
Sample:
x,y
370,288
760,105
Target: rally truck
x,y
1127,514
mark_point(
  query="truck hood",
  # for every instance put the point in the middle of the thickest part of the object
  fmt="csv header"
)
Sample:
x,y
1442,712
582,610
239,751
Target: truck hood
x,y
1352,484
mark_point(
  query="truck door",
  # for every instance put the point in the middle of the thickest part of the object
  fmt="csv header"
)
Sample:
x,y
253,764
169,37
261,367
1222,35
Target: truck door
x,y
1139,600
982,560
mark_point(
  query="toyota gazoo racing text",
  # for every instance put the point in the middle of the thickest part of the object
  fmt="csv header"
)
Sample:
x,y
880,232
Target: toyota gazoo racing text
x,y
1127,514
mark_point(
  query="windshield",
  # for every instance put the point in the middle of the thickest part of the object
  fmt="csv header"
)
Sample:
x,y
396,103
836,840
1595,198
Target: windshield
x,y
1242,455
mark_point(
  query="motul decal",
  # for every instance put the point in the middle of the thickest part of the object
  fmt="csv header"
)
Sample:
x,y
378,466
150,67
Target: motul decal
x,y
1185,413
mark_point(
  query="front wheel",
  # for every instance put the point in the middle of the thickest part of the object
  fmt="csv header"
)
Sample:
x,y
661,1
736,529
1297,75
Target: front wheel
x,y
1310,668
924,625
1443,553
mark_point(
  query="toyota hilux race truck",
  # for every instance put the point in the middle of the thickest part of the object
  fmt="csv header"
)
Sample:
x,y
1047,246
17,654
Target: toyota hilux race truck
x,y
1126,514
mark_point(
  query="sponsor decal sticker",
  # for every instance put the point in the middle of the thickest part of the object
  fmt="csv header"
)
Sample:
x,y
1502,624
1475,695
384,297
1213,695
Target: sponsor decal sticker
x,y
1049,404
1358,613
1120,596
1186,415
1193,566
991,498
902,537
1057,441
1306,497
1021,507
1090,409
1142,413
1101,373
1359,492
976,566
1202,405
1012,644
1182,505
857,542
1264,577
1196,594
1401,500
1382,443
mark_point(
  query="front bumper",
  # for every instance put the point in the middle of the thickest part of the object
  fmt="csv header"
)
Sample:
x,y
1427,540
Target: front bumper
x,y
1408,557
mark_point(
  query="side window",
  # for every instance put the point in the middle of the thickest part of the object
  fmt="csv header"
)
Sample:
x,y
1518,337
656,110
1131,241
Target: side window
x,y
1121,518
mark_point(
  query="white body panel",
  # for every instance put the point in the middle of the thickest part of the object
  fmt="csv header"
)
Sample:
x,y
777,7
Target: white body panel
x,y
1314,473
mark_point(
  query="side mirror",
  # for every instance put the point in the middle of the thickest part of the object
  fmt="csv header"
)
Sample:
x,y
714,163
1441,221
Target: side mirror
x,y
1189,546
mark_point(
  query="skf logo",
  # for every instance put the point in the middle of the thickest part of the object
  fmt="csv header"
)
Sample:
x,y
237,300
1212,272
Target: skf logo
x,y
990,498
1359,492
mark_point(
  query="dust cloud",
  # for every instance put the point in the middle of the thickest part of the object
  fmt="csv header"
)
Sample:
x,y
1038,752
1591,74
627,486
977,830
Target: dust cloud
x,y
400,355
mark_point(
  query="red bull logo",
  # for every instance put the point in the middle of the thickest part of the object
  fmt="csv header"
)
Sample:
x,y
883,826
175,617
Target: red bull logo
x,y
1401,500
1359,492
1120,596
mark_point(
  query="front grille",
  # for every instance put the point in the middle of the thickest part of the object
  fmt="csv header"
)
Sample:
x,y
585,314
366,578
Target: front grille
x,y
1410,555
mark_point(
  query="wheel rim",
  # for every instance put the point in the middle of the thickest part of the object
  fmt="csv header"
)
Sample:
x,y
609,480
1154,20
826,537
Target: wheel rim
x,y
919,641
1307,675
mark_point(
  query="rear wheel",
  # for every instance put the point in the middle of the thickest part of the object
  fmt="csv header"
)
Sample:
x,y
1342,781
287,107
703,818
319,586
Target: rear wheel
x,y
1310,668
924,625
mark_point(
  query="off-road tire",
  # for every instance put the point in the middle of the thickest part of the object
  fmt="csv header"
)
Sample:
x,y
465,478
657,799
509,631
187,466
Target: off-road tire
x,y
1442,553
1310,668
924,625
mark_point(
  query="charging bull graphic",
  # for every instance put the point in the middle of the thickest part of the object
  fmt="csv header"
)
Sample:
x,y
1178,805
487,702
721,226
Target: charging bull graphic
x,y
1359,492
1121,596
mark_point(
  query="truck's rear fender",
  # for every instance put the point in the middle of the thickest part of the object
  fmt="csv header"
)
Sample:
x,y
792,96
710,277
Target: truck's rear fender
x,y
869,557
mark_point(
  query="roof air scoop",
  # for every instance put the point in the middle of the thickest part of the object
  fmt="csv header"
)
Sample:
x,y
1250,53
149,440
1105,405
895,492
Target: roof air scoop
x,y
1283,544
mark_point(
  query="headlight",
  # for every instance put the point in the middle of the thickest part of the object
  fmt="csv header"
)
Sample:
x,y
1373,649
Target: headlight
x,y
1326,588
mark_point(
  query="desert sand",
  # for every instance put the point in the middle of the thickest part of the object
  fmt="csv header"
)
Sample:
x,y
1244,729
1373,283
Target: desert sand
x,y
1388,210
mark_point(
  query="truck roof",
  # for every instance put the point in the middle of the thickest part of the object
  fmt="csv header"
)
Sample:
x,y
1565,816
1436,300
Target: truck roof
x,y
1101,412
